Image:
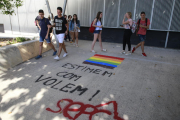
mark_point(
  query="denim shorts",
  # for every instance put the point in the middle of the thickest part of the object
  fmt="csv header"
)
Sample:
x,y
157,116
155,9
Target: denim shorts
x,y
97,31
142,38
47,40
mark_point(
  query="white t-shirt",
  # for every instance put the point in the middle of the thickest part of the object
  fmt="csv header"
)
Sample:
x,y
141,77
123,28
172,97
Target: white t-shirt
x,y
98,24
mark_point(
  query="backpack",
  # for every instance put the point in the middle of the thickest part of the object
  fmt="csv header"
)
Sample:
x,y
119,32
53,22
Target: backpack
x,y
139,24
63,20
133,27
92,29
51,29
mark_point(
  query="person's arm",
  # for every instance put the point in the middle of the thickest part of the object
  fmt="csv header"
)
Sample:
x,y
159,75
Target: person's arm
x,y
47,31
125,22
95,20
146,27
79,25
38,24
70,26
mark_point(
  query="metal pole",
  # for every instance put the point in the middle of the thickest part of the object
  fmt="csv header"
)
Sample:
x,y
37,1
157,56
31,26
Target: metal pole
x,y
118,13
135,10
49,9
170,23
152,13
90,12
64,7
104,12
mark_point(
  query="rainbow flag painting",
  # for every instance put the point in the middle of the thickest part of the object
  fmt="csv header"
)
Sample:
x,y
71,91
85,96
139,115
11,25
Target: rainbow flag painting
x,y
104,61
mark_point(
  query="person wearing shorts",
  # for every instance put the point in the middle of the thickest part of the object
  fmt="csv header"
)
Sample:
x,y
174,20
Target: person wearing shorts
x,y
60,24
97,32
44,34
143,25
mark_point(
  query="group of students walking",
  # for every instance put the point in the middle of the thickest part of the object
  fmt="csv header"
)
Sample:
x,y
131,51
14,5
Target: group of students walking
x,y
64,28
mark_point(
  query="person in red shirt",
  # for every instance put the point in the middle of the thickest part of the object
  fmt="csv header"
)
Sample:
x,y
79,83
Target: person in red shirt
x,y
143,25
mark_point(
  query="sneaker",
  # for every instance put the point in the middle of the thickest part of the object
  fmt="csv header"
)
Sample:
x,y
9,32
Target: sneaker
x,y
104,50
144,54
93,51
55,52
123,52
65,54
128,53
77,45
39,56
56,58
133,49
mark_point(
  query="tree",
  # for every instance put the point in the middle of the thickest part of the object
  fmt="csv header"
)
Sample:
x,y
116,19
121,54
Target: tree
x,y
7,6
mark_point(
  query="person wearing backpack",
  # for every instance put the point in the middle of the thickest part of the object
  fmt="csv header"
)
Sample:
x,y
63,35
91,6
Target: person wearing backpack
x,y
97,24
127,33
143,25
44,34
60,24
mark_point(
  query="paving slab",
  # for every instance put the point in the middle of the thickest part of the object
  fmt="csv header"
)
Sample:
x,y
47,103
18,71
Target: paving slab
x,y
140,88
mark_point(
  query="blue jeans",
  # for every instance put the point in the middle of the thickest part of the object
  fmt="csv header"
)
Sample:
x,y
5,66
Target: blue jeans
x,y
142,37
47,40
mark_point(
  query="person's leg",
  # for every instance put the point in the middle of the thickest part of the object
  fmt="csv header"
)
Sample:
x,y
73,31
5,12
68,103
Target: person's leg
x,y
41,40
129,40
124,41
64,47
73,36
60,49
76,34
50,44
138,45
142,46
69,36
40,48
100,40
94,41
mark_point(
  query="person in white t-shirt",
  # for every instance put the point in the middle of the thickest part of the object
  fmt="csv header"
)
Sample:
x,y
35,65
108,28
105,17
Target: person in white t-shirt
x,y
97,32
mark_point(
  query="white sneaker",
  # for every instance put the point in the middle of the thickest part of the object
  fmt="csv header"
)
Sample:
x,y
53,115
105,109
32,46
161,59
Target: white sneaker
x,y
123,52
128,53
56,58
93,51
65,54
104,50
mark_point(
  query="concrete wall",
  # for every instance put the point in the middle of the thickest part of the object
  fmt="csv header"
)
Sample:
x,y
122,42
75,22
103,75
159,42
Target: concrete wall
x,y
13,55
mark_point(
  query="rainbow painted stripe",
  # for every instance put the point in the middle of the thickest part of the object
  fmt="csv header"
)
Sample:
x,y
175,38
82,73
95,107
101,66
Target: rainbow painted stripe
x,y
104,61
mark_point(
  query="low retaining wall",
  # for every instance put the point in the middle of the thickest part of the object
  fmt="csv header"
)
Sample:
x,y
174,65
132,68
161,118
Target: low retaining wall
x,y
13,55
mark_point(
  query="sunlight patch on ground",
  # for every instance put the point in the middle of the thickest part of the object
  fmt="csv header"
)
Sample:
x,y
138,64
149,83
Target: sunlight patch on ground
x,y
39,96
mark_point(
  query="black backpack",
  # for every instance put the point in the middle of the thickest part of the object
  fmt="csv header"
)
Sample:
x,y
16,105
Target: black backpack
x,y
51,29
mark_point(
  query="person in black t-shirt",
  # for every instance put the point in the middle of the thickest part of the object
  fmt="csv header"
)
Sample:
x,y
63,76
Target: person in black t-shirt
x,y
60,24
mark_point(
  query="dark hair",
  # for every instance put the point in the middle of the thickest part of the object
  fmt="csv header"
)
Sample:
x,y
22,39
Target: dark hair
x,y
59,8
65,15
41,11
142,12
51,16
98,16
76,19
69,16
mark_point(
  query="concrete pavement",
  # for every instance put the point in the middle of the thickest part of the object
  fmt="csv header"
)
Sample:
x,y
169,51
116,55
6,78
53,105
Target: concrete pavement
x,y
142,88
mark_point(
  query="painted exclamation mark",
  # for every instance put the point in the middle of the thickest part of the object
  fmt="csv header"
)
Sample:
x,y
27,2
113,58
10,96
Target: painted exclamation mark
x,y
94,95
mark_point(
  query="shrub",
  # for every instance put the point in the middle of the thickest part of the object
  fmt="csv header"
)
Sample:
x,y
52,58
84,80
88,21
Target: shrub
x,y
20,39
